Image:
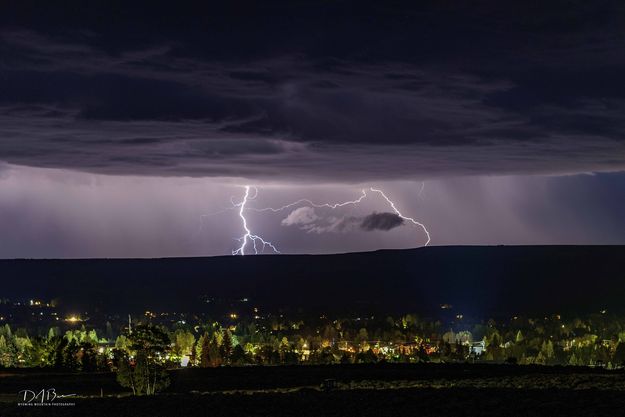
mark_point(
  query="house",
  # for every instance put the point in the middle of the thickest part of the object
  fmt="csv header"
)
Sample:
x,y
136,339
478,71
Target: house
x,y
477,348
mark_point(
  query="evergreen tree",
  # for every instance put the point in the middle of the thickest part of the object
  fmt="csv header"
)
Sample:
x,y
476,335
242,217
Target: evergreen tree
x,y
70,356
225,349
183,342
58,360
205,359
6,331
8,354
193,355
214,352
53,332
238,356
547,352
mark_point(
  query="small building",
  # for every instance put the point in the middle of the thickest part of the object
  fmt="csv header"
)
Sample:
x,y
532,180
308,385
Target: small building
x,y
477,348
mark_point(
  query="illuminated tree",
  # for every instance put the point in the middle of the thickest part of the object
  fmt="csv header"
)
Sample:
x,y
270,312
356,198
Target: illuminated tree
x,y
214,351
58,360
23,346
53,332
6,331
147,376
574,361
204,344
225,349
183,342
122,343
8,352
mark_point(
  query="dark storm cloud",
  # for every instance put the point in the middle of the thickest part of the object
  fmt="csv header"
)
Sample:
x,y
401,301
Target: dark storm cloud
x,y
307,91
381,221
306,219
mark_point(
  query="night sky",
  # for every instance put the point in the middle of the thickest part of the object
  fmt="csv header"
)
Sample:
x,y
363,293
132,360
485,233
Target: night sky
x,y
129,130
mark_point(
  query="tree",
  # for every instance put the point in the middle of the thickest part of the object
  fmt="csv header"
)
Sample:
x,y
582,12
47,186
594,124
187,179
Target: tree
x,y
8,353
193,355
545,354
205,359
53,332
225,349
122,343
149,344
574,361
363,337
88,357
22,345
214,352
619,354
70,356
267,355
149,378
6,331
345,358
238,356
45,350
324,356
58,356
183,342
366,357
125,374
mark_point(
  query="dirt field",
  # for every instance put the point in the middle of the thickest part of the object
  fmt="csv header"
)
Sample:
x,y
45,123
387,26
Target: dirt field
x,y
362,390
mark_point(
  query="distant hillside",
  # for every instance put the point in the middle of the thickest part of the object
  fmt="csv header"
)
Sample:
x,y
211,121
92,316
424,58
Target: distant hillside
x,y
476,280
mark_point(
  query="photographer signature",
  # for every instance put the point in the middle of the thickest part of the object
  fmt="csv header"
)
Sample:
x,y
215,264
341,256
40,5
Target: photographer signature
x,y
40,397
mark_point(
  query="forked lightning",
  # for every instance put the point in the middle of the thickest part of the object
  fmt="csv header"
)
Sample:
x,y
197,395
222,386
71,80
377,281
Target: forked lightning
x,y
257,241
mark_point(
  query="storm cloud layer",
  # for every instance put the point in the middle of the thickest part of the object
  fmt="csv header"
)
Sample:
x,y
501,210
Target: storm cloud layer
x,y
305,91
131,130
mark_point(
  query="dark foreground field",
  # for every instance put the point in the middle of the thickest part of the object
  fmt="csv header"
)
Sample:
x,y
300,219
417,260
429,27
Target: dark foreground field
x,y
361,390
409,402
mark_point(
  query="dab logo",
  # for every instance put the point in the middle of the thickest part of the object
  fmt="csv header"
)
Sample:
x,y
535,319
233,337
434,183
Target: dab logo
x,y
44,397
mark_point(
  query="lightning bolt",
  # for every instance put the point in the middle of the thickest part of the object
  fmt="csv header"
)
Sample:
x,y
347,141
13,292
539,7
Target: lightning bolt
x,y
410,219
256,240
305,200
248,236
352,202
